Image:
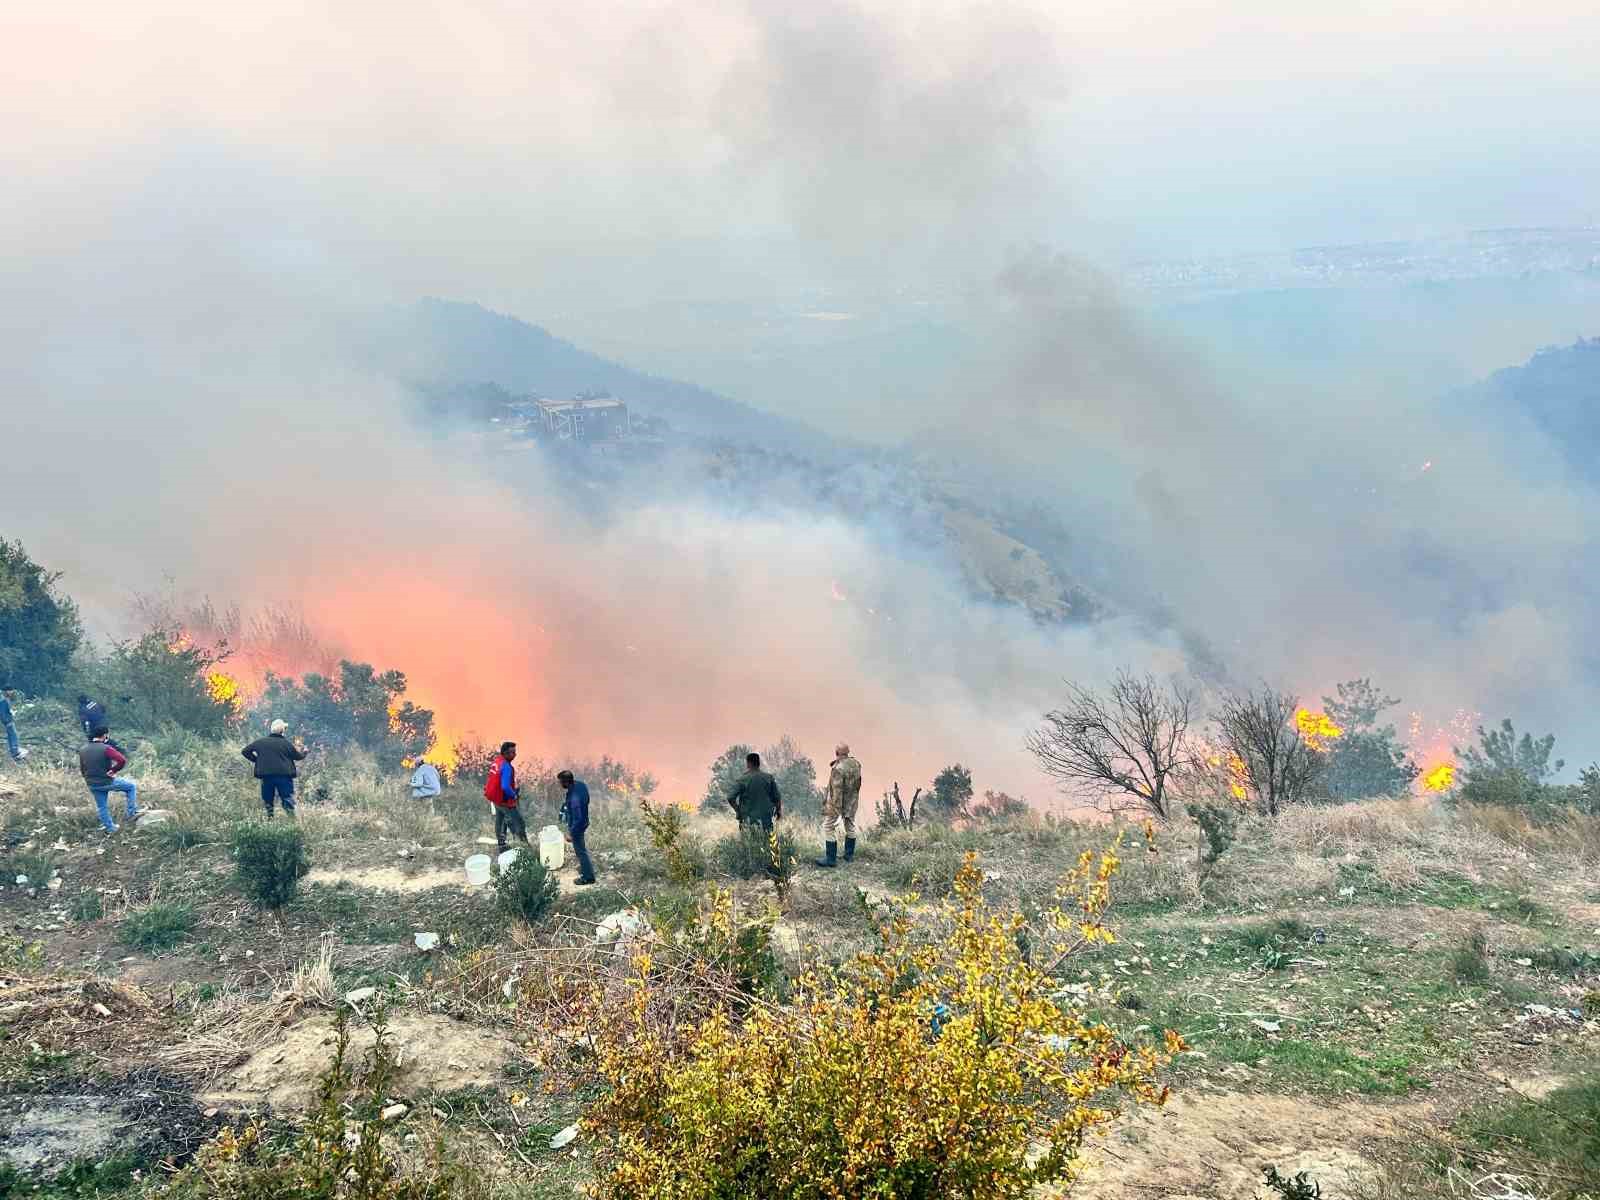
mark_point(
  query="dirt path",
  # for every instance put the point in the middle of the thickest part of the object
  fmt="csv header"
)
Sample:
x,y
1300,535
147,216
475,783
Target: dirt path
x,y
1216,1144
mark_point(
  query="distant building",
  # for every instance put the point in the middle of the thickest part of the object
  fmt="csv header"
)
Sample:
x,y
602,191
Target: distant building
x,y
585,420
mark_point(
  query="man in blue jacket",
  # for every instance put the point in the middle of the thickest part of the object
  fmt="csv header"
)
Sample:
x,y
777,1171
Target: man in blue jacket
x,y
575,812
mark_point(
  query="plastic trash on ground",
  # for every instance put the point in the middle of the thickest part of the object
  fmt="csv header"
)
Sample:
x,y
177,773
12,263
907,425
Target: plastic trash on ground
x,y
552,848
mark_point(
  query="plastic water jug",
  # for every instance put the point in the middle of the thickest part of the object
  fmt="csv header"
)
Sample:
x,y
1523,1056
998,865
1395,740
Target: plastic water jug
x,y
552,848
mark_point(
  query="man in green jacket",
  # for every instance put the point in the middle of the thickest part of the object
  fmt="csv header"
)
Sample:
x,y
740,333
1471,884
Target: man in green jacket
x,y
755,797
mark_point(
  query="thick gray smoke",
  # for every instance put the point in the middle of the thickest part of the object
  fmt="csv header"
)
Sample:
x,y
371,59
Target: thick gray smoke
x,y
209,208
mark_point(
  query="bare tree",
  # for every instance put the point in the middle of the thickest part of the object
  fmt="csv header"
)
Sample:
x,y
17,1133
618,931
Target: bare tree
x,y
1259,728
1126,744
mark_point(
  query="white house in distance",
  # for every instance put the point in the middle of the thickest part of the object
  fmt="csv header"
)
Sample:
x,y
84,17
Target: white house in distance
x,y
585,421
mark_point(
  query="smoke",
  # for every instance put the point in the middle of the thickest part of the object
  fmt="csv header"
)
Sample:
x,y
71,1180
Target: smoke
x,y
210,206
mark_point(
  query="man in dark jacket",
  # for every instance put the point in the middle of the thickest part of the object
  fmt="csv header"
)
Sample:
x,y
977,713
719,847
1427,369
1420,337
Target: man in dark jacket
x,y
9,721
274,757
91,715
100,761
755,797
575,812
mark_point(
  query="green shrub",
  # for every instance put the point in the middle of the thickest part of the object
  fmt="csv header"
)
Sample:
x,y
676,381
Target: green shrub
x,y
182,833
37,865
1300,1187
1469,961
925,1070
526,888
747,853
930,871
87,906
681,852
1274,942
1557,1137
1219,827
157,927
39,626
271,860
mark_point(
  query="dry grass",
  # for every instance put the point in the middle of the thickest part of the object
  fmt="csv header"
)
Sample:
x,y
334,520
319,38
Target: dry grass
x,y
1571,834
1366,824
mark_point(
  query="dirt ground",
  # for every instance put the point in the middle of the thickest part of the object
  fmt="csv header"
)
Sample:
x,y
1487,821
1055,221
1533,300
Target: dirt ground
x,y
1216,1144
434,1054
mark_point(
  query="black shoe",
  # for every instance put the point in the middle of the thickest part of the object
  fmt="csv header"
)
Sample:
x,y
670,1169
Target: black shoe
x,y
830,852
849,849
584,883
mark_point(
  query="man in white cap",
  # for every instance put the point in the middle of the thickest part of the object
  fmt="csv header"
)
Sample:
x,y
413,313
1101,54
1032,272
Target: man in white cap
x,y
842,799
274,757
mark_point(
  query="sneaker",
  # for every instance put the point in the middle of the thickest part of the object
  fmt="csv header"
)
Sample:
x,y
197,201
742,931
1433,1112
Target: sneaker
x,y
22,754
112,829
584,883
132,817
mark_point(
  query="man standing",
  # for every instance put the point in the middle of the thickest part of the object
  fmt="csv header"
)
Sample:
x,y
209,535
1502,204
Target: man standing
x,y
100,761
842,800
91,715
274,757
575,812
755,797
8,719
425,782
500,790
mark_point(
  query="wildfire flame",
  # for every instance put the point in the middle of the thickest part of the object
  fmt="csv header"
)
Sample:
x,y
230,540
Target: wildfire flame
x,y
223,688
1318,729
1440,778
1238,773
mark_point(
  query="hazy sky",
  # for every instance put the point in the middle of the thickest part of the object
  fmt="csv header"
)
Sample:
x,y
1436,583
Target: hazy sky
x,y
525,154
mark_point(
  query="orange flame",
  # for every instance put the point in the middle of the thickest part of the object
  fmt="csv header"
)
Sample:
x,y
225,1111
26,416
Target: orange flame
x,y
1440,778
223,688
1318,729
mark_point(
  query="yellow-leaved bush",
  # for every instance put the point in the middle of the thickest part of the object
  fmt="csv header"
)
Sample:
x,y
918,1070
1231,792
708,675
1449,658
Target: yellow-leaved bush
x,y
944,1063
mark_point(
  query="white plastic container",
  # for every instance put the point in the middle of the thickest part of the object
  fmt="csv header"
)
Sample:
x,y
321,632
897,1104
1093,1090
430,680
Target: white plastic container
x,y
477,869
507,857
552,848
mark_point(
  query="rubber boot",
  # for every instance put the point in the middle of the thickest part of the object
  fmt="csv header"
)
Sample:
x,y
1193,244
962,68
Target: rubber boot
x,y
830,855
849,849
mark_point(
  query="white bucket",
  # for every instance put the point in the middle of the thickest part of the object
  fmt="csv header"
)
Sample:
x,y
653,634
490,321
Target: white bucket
x,y
477,869
552,848
507,857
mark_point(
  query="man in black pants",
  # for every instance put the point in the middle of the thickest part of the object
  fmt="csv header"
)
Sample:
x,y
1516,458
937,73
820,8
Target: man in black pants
x,y
575,810
274,758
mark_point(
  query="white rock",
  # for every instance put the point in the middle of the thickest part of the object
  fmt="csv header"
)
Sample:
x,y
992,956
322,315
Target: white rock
x,y
394,1112
22,881
619,928
360,995
1266,1026
55,884
425,941
102,1010
1523,962
61,844
1347,892
565,1137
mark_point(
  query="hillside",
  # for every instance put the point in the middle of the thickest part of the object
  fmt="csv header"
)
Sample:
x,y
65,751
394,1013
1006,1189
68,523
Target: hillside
x,y
437,341
1378,994
1558,389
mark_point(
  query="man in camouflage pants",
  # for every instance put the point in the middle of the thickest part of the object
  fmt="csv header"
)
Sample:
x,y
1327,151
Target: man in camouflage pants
x,y
844,795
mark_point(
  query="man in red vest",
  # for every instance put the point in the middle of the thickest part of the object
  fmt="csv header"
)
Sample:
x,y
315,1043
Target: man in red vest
x,y
500,790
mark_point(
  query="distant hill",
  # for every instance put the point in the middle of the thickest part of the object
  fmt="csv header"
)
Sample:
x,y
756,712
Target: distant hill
x,y
1559,390
475,353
